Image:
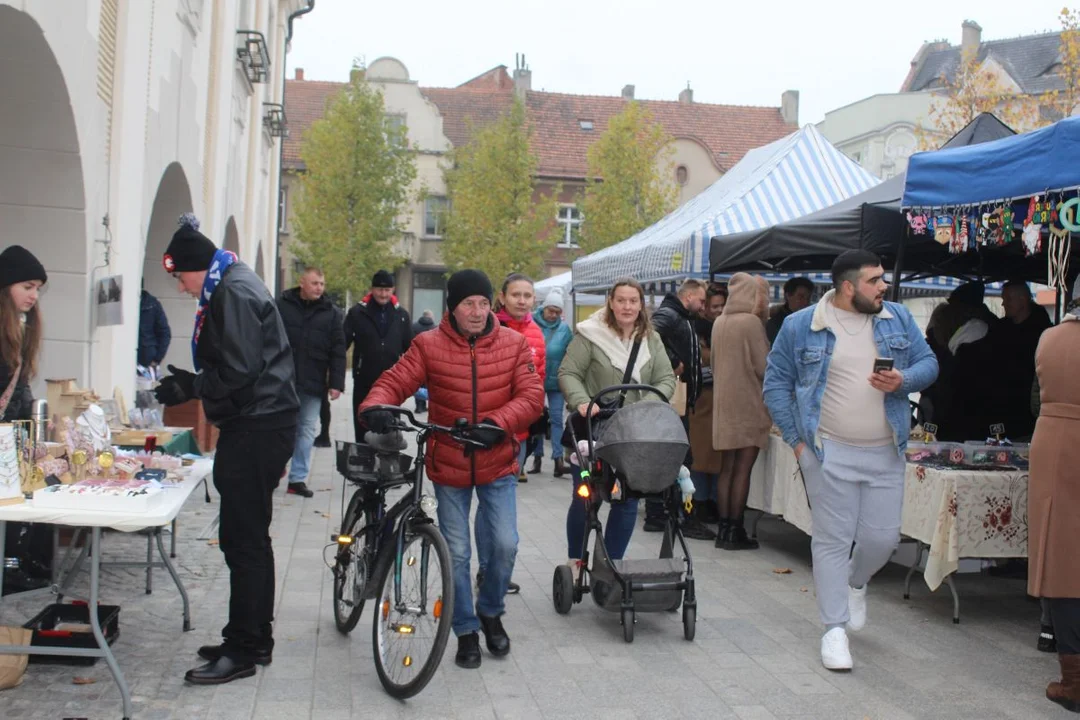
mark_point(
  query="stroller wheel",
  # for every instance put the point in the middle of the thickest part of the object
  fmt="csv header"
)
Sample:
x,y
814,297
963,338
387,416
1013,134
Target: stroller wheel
x,y
689,621
628,624
562,589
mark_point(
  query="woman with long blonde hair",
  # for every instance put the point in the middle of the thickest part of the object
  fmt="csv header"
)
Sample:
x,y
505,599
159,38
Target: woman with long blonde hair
x,y
21,277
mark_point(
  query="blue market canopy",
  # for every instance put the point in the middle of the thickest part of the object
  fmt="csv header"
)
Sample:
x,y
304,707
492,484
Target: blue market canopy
x,y
1004,170
786,179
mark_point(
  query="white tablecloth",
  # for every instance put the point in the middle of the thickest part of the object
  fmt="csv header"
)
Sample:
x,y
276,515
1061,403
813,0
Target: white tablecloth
x,y
162,513
957,513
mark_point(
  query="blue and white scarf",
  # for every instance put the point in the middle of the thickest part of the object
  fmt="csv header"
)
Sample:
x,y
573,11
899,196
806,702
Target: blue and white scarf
x,y
222,260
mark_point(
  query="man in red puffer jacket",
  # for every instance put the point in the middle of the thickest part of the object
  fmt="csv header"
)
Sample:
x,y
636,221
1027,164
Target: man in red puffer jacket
x,y
478,370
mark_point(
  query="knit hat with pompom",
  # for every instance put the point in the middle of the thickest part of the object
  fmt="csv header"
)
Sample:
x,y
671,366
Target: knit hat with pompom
x,y
190,250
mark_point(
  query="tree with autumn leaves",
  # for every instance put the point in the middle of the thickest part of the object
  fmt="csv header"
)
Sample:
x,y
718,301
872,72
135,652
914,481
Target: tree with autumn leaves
x,y
358,169
630,185
497,221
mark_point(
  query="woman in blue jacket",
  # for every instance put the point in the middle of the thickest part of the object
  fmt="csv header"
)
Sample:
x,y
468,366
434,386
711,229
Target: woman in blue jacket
x,y
557,336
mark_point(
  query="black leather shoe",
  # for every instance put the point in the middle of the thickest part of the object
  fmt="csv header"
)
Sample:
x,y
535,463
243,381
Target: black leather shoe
x,y
654,526
537,460
301,489
219,672
498,642
512,588
322,442
560,468
213,652
468,651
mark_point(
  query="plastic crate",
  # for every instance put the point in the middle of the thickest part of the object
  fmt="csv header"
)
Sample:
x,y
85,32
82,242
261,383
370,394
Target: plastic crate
x,y
47,634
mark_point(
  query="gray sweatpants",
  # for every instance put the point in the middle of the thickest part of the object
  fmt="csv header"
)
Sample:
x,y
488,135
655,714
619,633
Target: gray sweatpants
x,y
856,495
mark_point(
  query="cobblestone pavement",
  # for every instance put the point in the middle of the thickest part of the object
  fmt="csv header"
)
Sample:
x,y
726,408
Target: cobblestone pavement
x,y
755,656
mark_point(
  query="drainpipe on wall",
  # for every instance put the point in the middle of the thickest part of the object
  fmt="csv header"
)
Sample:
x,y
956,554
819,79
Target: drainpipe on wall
x,y
276,255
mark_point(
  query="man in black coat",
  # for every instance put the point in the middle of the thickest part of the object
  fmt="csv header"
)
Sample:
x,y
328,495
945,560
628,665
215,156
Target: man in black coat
x,y
674,323
798,291
314,327
379,332
245,380
154,332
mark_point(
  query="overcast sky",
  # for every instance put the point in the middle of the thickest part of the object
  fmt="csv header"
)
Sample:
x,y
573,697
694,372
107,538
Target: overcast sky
x,y
732,52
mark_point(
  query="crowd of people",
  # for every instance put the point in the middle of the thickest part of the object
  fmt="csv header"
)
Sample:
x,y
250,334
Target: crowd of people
x,y
265,369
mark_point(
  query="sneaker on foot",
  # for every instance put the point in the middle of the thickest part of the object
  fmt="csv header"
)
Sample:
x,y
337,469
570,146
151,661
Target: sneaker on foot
x,y
301,489
512,588
575,568
835,654
856,608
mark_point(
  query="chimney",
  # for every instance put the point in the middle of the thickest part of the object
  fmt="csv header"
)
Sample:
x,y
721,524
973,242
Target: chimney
x,y
971,37
522,76
789,107
686,97
628,92
299,73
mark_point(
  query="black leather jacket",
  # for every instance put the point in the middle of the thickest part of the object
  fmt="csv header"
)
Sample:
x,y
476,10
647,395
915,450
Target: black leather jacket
x,y
676,328
247,378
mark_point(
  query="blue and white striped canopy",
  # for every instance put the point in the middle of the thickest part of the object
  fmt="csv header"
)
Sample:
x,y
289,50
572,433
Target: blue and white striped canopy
x,y
784,180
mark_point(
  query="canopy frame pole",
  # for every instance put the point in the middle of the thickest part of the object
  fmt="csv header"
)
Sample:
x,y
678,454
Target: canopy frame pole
x,y
898,266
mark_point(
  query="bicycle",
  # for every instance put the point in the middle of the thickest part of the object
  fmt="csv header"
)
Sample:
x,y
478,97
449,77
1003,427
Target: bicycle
x,y
394,555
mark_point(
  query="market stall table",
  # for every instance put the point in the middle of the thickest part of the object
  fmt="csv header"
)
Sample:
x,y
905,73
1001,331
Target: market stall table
x,y
953,513
158,516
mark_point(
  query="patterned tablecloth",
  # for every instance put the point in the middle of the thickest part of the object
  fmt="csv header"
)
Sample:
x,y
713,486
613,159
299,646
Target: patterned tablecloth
x,y
957,513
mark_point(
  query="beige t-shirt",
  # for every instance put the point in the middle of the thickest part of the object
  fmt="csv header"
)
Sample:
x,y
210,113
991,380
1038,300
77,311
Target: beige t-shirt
x,y
852,410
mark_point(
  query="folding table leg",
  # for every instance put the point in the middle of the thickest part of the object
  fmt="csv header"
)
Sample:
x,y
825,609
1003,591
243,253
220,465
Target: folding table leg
x,y
176,579
95,622
150,560
911,570
955,599
172,540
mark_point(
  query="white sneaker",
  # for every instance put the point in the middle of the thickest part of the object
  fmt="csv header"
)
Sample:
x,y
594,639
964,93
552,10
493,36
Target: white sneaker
x,y
835,654
575,567
856,609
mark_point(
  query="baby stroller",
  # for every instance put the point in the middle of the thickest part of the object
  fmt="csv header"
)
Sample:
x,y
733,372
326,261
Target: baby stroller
x,y
637,453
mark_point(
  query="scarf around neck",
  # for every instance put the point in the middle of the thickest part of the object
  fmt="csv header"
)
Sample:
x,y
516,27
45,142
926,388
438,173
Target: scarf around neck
x,y
596,330
222,260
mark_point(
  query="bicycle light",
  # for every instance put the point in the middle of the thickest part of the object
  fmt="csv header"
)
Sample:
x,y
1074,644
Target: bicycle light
x,y
344,540
428,504
583,491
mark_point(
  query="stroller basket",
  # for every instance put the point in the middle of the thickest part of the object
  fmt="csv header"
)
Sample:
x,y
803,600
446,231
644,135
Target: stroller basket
x,y
360,463
646,444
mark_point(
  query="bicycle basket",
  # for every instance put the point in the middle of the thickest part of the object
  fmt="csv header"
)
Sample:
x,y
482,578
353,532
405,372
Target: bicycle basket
x,y
360,463
646,443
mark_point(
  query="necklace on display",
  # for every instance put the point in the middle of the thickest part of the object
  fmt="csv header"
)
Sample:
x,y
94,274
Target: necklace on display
x,y
836,314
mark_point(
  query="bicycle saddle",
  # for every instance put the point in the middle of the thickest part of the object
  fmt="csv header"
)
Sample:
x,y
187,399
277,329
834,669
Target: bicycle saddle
x,y
393,441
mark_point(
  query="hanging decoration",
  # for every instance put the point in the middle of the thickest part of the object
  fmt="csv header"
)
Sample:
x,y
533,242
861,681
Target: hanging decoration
x,y
917,221
944,230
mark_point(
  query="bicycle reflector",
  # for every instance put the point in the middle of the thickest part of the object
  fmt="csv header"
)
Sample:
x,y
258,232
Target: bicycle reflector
x,y
583,491
403,629
344,540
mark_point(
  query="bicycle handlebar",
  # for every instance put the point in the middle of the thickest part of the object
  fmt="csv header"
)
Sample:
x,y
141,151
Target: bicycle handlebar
x,y
455,432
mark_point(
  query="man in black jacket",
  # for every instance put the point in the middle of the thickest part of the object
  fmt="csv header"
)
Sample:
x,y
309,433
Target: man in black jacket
x,y
245,380
424,323
314,327
674,323
154,332
379,332
798,291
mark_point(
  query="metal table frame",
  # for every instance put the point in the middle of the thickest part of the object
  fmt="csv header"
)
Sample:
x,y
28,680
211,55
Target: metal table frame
x,y
93,551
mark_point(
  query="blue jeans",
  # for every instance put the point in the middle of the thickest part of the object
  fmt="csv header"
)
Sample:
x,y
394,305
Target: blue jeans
x,y
555,410
496,524
307,427
617,531
704,486
481,541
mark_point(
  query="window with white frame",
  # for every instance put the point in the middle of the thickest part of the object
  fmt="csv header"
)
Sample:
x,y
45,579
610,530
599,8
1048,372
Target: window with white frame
x,y
435,207
395,129
570,226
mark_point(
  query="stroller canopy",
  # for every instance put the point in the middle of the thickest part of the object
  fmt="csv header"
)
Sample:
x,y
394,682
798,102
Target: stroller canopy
x,y
646,443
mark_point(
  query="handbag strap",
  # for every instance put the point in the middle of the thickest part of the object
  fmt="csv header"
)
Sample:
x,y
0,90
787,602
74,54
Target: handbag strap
x,y
629,369
5,399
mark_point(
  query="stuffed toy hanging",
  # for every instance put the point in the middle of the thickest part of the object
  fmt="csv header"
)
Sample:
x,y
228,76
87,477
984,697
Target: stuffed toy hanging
x,y
960,236
1007,227
944,230
1032,234
917,221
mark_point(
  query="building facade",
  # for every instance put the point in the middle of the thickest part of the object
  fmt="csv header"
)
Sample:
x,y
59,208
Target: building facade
x,y
119,116
707,139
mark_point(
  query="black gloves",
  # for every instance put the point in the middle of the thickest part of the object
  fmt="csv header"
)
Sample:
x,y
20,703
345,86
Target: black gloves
x,y
177,388
378,421
486,434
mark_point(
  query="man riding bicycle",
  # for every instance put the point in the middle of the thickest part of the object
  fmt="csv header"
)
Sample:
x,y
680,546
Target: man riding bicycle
x,y
474,368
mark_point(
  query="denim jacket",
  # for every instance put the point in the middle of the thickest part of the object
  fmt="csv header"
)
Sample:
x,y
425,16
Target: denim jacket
x,y
798,367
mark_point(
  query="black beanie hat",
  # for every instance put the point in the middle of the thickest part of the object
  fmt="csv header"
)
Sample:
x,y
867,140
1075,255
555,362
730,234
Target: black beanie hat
x,y
382,279
190,250
466,283
17,264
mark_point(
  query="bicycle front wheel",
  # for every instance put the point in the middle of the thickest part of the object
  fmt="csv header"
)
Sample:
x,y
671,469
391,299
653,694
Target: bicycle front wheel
x,y
411,628
351,570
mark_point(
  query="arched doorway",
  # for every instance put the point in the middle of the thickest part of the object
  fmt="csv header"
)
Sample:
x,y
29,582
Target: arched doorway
x,y
42,199
232,237
172,200
259,267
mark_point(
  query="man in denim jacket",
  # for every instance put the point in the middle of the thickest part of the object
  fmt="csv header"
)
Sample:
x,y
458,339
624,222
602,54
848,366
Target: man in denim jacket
x,y
849,426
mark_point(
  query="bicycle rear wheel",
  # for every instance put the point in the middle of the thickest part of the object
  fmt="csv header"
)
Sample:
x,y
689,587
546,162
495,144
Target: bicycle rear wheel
x,y
409,633
351,570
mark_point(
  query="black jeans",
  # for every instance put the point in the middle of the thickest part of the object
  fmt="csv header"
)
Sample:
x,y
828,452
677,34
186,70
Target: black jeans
x,y
1065,613
359,392
247,470
654,507
324,418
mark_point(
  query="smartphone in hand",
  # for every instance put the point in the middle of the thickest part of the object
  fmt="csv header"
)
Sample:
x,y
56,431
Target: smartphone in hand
x,y
882,364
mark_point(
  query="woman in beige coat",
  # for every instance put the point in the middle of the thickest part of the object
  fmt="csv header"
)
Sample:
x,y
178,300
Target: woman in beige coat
x,y
1054,500
740,420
